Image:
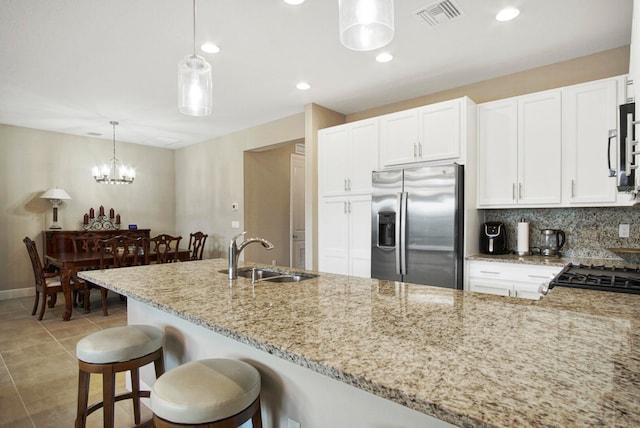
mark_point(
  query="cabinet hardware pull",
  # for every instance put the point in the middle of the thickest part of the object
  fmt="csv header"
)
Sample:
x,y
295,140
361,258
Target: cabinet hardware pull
x,y
345,185
519,191
613,133
349,206
573,186
349,184
540,276
345,206
420,150
491,272
415,150
513,191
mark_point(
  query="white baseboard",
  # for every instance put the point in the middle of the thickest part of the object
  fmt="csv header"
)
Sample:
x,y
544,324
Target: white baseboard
x,y
17,292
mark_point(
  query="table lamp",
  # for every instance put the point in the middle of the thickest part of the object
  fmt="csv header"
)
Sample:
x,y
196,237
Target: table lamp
x,y
55,196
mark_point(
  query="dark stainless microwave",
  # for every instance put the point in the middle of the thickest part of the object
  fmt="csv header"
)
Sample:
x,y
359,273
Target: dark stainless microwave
x,y
626,147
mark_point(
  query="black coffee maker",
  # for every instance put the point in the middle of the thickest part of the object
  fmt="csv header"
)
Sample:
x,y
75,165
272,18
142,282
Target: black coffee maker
x,y
493,238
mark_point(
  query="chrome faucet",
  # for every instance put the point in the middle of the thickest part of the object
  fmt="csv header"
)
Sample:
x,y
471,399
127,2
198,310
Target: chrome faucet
x,y
235,250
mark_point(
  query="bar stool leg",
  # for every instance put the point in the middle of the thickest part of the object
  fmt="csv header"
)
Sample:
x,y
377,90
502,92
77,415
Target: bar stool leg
x,y
83,398
108,395
135,394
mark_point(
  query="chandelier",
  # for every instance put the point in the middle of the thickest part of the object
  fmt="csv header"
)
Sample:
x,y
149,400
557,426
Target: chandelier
x,y
195,86
366,24
113,172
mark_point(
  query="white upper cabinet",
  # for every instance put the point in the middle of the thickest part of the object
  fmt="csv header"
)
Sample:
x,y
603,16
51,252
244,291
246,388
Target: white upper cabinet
x,y
347,154
519,151
497,153
435,132
589,114
540,149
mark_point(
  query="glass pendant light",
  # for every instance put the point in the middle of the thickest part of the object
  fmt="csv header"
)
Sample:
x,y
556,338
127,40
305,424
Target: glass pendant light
x,y
195,86
366,24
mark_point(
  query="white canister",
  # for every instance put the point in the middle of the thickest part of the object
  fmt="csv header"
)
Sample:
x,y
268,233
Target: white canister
x,y
523,237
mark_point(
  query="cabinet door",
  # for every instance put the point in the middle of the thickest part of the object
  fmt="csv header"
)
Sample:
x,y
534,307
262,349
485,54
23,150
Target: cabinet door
x,y
589,114
333,235
440,131
497,153
360,236
527,290
399,137
333,160
539,149
364,155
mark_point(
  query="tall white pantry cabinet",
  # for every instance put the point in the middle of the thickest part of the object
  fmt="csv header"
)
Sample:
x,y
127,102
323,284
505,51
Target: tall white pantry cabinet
x,y
346,156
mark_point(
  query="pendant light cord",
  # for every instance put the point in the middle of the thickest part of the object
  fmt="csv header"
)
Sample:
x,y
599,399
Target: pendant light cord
x,y
194,28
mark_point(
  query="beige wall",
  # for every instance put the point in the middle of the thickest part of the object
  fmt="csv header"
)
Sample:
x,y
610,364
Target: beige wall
x,y
266,202
614,62
32,161
210,178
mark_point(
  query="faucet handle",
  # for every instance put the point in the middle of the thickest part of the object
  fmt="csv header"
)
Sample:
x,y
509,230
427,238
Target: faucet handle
x,y
236,237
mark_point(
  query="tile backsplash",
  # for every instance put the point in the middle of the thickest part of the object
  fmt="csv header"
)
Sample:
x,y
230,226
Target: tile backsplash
x,y
589,231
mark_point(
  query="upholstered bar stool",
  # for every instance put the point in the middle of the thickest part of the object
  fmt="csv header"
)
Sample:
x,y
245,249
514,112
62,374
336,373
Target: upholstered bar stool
x,y
219,392
111,351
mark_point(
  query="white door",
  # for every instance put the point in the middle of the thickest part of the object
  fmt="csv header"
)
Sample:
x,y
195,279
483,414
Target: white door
x,y
333,235
399,137
440,131
359,211
296,218
497,153
589,114
540,149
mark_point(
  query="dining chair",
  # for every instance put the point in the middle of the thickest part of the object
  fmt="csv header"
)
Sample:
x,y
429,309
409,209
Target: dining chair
x,y
196,245
88,243
164,247
116,252
48,284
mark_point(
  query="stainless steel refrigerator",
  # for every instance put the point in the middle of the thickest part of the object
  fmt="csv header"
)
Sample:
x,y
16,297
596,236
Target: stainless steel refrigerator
x,y
417,225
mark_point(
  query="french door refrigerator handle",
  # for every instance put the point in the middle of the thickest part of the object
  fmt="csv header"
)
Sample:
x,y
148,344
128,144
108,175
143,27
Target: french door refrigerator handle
x,y
403,233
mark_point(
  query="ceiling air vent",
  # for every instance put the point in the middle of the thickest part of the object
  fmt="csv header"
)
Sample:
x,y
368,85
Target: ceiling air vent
x,y
438,13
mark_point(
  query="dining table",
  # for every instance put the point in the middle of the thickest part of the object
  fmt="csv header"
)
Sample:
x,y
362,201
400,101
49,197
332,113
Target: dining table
x,y
69,263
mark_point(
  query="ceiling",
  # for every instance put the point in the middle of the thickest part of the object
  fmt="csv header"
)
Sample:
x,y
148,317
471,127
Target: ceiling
x,y
71,66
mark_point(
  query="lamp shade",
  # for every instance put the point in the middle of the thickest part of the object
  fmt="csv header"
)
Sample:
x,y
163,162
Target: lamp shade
x,y
55,193
366,24
195,86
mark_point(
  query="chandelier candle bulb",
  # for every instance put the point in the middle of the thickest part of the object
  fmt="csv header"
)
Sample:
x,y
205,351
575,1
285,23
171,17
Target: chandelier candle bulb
x,y
523,237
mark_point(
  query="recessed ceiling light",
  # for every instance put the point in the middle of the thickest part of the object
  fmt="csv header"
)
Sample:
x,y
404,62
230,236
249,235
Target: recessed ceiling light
x,y
209,48
384,57
507,14
303,86
294,2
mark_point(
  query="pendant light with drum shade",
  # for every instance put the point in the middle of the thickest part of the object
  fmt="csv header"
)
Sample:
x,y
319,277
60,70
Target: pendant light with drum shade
x,y
366,25
195,86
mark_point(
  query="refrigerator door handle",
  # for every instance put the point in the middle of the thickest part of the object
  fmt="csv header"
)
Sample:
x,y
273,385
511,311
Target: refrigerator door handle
x,y
398,234
402,242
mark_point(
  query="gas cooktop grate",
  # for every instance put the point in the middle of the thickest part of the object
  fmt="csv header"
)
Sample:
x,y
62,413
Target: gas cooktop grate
x,y
598,277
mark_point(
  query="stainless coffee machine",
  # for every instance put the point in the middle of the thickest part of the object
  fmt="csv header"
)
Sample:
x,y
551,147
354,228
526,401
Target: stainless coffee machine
x,y
552,242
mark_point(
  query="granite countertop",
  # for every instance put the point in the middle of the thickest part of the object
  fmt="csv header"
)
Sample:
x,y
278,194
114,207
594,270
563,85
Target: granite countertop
x,y
471,359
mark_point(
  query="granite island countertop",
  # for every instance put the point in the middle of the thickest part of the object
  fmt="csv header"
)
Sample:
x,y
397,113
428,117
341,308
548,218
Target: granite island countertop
x,y
471,359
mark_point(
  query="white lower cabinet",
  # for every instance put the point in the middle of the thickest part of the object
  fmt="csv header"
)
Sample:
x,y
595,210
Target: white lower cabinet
x,y
509,279
344,235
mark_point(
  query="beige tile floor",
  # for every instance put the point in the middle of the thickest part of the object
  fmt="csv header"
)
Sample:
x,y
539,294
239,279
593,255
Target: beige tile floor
x,y
38,367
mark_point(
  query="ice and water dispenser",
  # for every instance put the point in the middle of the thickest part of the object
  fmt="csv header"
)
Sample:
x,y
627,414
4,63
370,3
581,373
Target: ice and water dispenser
x,y
387,229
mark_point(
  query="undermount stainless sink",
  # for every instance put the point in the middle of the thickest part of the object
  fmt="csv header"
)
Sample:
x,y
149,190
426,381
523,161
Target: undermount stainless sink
x,y
272,275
